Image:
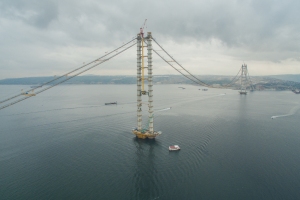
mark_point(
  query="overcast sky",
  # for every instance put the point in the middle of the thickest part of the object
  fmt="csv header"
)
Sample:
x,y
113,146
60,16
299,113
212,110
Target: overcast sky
x,y
51,37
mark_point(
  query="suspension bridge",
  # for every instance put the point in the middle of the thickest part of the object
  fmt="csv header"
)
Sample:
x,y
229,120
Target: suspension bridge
x,y
141,43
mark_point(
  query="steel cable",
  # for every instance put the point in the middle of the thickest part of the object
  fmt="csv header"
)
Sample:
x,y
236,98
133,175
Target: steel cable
x,y
67,78
98,59
233,80
198,80
202,83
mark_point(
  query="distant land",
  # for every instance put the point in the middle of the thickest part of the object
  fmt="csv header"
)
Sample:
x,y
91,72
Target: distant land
x,y
275,82
288,77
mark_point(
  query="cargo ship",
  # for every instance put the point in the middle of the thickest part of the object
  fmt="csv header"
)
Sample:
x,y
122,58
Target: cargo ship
x,y
111,103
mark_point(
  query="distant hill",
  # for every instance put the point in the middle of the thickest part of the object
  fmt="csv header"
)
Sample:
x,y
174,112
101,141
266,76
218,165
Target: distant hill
x,y
288,77
25,81
76,80
278,82
92,79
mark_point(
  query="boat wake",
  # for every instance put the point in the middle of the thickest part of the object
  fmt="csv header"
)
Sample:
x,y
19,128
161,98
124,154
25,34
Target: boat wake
x,y
163,109
277,116
292,112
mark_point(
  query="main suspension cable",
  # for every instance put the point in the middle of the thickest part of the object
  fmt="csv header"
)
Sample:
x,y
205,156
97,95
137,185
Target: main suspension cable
x,y
22,99
233,80
251,84
59,77
200,82
174,67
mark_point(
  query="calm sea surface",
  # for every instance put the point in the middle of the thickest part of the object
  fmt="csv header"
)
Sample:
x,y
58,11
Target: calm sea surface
x,y
65,144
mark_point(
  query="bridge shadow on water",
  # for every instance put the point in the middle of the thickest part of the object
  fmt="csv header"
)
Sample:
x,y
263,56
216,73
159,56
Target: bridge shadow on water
x,y
145,180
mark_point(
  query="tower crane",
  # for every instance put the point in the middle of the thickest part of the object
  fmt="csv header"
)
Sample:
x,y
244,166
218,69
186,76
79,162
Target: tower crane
x,y
142,28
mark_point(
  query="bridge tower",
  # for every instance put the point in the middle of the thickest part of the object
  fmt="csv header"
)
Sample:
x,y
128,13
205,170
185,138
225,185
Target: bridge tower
x,y
245,80
139,131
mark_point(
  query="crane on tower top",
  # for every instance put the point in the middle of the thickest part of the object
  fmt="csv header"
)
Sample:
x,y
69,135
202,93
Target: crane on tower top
x,y
142,28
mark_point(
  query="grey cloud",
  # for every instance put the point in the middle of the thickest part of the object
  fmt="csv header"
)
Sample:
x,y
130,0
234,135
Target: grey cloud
x,y
265,25
249,29
254,25
34,12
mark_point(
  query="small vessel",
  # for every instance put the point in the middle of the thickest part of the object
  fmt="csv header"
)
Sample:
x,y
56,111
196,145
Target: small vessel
x,y
111,103
174,148
29,94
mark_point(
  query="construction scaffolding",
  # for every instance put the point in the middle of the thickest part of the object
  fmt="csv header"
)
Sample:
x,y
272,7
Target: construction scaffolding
x,y
139,131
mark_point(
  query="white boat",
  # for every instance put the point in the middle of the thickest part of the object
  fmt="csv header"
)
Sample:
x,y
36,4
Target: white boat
x,y
174,148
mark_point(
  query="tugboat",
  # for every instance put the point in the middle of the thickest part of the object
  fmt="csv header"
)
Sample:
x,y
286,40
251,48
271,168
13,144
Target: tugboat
x,y
174,148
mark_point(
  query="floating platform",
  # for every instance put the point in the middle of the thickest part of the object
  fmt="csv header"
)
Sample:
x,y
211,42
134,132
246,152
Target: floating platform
x,y
28,94
144,134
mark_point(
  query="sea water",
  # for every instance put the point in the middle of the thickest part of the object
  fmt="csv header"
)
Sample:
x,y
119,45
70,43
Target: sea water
x,y
66,144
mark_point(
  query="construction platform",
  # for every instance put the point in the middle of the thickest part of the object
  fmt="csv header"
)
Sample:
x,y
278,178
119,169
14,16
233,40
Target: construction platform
x,y
144,134
28,94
